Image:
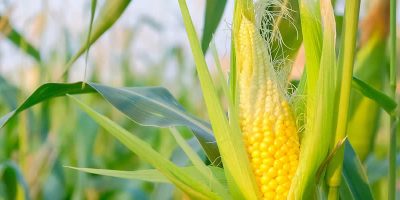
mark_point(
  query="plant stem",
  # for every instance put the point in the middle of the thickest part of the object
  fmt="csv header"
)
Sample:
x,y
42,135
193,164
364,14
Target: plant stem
x,y
393,121
241,181
346,63
333,193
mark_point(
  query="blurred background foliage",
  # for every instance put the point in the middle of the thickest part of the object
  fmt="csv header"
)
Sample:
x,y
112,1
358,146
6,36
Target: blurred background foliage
x,y
145,47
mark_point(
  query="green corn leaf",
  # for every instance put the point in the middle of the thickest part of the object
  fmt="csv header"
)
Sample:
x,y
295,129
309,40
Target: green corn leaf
x,y
233,76
155,106
109,14
149,175
177,176
387,103
192,155
48,91
354,175
312,39
221,75
45,92
344,190
214,11
10,176
233,111
344,76
198,163
148,106
152,175
18,39
228,136
92,13
320,112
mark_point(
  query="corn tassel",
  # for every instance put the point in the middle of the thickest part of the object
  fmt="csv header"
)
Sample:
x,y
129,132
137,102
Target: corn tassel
x,y
266,120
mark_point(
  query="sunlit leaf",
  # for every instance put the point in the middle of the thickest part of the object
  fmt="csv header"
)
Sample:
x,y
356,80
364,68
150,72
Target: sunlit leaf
x,y
354,175
214,11
191,186
198,163
148,106
11,175
109,14
46,92
242,183
152,175
92,13
321,99
155,106
312,39
387,103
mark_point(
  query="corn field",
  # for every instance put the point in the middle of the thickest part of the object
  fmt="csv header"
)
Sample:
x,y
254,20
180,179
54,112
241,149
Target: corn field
x,y
297,101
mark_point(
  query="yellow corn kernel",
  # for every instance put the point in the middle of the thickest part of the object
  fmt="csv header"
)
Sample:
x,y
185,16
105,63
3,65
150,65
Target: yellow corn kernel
x,y
268,126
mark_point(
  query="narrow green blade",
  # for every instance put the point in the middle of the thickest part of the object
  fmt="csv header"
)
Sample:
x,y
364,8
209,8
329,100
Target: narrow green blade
x,y
320,116
214,11
242,183
354,175
387,103
109,14
198,163
148,106
11,175
151,175
178,177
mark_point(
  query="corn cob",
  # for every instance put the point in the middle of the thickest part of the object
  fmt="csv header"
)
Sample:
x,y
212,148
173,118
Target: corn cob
x,y
266,120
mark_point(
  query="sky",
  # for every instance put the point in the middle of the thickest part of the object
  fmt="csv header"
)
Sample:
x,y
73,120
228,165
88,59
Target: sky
x,y
157,26
56,25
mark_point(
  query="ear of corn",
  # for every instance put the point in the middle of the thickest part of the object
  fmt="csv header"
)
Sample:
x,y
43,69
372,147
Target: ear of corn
x,y
266,120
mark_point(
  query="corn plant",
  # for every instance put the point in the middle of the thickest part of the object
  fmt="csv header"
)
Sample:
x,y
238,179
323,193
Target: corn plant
x,y
271,139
